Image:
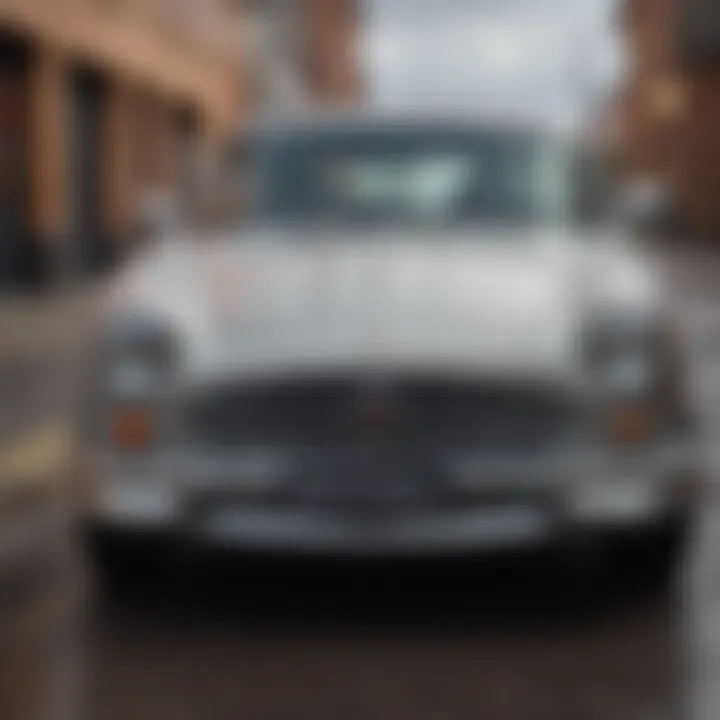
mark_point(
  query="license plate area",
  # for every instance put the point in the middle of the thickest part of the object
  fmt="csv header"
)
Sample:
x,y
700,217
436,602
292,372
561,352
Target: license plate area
x,y
366,481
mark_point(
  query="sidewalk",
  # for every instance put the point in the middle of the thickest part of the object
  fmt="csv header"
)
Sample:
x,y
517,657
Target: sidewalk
x,y
34,328
41,346
41,579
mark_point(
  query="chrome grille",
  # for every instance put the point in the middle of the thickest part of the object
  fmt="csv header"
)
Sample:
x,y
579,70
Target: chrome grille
x,y
419,414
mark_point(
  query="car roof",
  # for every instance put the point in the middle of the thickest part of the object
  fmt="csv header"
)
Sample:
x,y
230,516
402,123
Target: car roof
x,y
340,121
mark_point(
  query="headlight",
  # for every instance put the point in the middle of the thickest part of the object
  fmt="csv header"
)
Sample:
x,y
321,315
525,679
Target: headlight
x,y
626,359
623,357
140,362
632,375
133,377
142,355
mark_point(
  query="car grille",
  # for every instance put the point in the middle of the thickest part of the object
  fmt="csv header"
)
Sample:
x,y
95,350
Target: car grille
x,y
340,413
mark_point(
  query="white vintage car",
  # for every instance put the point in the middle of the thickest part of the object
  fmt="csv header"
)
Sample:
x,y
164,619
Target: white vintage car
x,y
408,347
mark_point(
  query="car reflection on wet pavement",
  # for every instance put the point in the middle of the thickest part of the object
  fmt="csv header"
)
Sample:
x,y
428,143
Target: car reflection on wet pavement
x,y
489,641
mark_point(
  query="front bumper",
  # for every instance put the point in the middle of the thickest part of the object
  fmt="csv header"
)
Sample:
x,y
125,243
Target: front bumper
x,y
532,509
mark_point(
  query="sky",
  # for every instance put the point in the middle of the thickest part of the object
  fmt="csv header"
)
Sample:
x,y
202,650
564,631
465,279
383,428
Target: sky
x,y
541,56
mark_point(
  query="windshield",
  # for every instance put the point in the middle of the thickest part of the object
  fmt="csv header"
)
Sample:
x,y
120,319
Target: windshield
x,y
410,177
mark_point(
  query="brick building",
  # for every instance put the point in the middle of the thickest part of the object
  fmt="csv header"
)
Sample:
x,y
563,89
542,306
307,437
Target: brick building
x,y
105,103
302,51
101,103
331,33
671,103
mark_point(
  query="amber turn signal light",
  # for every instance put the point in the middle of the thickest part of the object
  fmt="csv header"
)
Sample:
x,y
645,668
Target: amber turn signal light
x,y
631,426
132,429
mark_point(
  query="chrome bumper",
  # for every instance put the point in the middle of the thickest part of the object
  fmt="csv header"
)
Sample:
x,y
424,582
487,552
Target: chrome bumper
x,y
626,494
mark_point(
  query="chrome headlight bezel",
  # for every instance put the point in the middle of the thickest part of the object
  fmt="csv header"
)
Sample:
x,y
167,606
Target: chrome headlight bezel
x,y
644,403
624,357
142,355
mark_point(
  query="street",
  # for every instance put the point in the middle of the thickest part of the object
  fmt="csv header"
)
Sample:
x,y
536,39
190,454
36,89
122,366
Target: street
x,y
217,637
390,649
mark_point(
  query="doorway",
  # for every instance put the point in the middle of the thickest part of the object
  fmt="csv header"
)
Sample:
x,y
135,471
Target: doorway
x,y
19,259
90,248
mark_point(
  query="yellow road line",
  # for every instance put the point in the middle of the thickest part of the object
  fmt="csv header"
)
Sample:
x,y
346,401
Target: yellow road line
x,y
36,458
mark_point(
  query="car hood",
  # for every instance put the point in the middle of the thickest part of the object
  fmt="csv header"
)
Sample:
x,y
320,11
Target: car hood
x,y
481,300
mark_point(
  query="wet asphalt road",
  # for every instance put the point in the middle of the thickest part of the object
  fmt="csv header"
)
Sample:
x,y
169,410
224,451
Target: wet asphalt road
x,y
224,639
490,641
